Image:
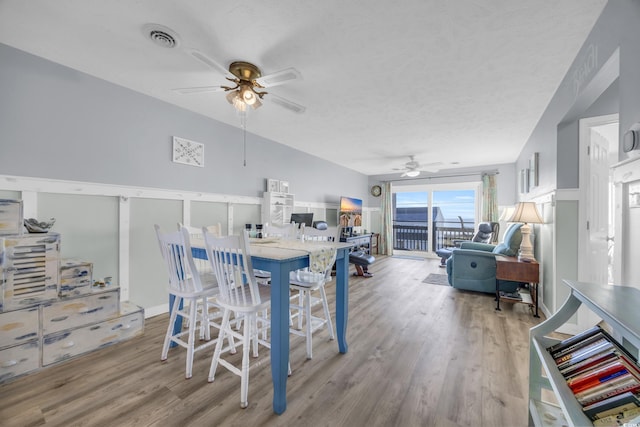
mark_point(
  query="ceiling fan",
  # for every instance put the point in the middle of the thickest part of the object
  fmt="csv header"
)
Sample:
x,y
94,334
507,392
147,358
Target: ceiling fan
x,y
248,83
413,168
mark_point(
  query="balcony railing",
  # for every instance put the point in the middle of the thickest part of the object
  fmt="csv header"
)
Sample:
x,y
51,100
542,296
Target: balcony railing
x,y
412,237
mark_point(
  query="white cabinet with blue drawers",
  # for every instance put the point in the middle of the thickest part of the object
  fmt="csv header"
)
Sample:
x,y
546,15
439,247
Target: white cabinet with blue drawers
x,y
50,311
68,343
19,342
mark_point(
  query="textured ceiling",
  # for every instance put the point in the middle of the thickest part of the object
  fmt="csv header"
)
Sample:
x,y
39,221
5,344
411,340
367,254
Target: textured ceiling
x,y
382,80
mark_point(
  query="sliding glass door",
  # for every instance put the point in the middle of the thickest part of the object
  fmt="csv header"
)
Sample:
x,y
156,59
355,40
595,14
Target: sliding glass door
x,y
426,218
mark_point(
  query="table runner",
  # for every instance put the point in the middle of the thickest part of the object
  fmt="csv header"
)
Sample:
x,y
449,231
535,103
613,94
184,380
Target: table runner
x,y
322,255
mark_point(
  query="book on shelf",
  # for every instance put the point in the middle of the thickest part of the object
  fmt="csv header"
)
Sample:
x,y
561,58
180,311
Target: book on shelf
x,y
586,353
619,386
578,345
618,419
603,371
574,339
629,363
613,387
595,360
604,407
603,376
594,382
596,371
580,351
581,372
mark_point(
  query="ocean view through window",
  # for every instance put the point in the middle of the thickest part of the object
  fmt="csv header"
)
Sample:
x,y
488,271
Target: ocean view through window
x,y
452,217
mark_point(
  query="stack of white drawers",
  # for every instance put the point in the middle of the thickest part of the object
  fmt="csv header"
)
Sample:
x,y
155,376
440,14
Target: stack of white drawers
x,y
49,309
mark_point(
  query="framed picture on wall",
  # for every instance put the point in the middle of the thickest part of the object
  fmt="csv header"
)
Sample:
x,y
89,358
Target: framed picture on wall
x,y
188,152
284,186
524,180
533,170
273,185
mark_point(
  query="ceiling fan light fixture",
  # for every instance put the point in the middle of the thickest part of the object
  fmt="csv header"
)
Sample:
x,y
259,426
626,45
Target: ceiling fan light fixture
x,y
413,173
235,99
248,95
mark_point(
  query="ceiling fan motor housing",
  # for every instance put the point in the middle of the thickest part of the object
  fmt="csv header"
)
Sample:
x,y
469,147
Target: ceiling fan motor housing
x,y
245,71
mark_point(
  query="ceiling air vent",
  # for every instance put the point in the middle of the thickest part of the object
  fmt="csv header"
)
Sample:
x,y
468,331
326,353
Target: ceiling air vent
x,y
161,35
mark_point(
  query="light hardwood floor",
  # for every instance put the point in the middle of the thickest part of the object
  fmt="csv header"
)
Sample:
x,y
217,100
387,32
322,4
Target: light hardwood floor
x,y
419,355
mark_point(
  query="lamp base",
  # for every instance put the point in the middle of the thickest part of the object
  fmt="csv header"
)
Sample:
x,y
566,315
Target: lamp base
x,y
526,248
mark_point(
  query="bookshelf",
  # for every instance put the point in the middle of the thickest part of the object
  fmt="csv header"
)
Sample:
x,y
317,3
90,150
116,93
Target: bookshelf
x,y
617,306
277,208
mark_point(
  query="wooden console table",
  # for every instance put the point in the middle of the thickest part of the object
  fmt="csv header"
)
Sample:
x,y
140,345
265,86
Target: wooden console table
x,y
509,268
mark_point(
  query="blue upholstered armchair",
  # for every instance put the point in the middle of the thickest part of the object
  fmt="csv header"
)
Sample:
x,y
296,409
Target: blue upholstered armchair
x,y
473,265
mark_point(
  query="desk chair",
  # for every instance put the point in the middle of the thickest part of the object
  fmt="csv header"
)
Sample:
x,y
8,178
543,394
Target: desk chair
x,y
189,288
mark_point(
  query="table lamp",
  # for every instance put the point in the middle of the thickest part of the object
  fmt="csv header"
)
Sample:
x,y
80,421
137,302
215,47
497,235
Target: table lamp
x,y
527,213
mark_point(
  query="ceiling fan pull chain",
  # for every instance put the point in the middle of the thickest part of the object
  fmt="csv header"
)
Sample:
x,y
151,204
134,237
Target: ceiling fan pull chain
x,y
243,122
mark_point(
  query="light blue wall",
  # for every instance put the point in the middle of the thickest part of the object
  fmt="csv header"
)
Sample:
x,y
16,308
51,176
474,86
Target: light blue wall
x,y
603,79
59,123
568,141
615,34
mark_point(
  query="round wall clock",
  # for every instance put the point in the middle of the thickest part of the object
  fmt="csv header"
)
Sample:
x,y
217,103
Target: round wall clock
x,y
376,190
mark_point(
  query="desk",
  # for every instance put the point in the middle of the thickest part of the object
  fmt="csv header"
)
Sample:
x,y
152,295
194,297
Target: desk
x,y
279,262
360,241
509,268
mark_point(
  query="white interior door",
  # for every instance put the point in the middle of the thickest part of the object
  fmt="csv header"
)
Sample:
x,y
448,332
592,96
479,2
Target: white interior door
x,y
598,209
599,144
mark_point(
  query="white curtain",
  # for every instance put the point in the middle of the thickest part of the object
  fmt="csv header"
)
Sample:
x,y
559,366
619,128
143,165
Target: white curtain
x,y
489,198
386,241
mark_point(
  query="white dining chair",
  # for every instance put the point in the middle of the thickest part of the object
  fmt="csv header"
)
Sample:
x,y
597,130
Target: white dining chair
x,y
190,289
196,232
284,231
310,288
241,295
201,264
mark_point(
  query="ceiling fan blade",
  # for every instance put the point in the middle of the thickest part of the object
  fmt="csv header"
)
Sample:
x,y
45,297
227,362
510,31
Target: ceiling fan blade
x,y
285,103
431,167
279,77
201,89
211,63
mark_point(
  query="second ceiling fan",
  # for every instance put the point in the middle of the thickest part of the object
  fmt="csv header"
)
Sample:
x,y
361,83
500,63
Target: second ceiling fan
x,y
413,168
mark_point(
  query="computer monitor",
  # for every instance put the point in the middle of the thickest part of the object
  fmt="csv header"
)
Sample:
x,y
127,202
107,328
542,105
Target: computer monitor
x,y
302,218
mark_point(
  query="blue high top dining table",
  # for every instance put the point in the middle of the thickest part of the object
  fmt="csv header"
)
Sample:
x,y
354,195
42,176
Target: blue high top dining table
x,y
279,260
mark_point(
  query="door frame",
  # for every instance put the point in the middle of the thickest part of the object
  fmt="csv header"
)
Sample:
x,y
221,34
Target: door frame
x,y
474,185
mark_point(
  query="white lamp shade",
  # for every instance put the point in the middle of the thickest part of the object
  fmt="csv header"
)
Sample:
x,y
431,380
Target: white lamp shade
x,y
526,212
